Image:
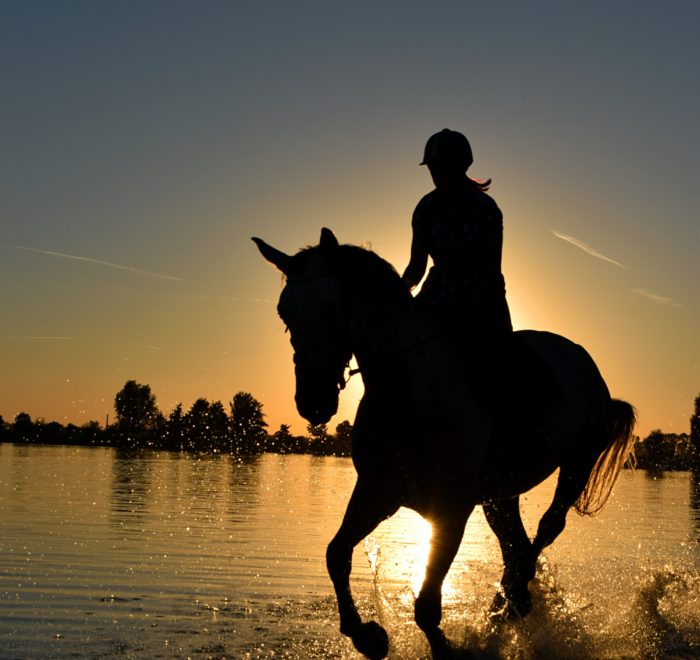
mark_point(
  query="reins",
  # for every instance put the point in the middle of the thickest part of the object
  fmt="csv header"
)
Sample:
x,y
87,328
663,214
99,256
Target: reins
x,y
404,351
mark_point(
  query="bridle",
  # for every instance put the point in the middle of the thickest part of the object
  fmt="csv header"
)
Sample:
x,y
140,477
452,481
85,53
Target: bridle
x,y
301,357
302,354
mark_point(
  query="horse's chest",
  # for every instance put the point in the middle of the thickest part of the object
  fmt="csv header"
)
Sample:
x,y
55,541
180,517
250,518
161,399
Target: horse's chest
x,y
417,476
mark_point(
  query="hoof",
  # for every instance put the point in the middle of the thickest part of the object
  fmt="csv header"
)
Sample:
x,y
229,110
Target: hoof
x,y
440,647
371,640
428,610
514,606
498,604
519,605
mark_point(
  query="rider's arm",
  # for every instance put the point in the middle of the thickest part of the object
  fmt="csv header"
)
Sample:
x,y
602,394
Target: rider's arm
x,y
419,257
492,221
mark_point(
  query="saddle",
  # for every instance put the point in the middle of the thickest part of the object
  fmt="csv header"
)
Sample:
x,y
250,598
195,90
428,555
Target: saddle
x,y
514,380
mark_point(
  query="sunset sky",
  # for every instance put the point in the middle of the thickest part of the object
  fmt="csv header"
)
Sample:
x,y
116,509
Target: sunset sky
x,y
144,143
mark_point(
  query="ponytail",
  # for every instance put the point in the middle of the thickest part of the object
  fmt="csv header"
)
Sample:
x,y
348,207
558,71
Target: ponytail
x,y
483,186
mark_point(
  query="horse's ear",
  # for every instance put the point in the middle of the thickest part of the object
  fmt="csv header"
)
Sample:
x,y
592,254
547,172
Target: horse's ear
x,y
328,239
273,255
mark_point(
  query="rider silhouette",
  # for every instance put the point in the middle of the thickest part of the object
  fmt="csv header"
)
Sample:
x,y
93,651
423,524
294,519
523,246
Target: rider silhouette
x,y
461,228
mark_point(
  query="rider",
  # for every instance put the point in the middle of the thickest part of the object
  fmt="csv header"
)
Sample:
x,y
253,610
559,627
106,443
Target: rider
x,y
461,228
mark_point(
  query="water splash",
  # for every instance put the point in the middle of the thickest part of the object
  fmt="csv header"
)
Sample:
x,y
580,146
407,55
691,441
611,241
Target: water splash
x,y
372,553
651,615
665,616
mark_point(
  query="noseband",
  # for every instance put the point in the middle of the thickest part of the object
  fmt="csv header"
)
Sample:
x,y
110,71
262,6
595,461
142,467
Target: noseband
x,y
306,356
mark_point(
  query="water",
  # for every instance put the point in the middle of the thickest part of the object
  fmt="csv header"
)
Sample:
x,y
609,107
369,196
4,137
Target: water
x,y
151,555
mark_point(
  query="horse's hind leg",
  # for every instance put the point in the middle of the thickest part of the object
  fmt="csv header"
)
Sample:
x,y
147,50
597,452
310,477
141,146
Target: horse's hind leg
x,y
365,510
570,485
519,559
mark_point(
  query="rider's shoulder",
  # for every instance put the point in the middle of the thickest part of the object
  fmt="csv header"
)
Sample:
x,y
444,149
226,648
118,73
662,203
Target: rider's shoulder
x,y
488,204
428,200
424,207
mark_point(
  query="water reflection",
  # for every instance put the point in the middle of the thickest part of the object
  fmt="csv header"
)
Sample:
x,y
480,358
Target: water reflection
x,y
130,487
217,553
654,474
242,487
145,485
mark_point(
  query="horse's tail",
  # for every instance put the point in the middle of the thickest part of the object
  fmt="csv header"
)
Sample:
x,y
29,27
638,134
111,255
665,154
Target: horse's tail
x,y
619,450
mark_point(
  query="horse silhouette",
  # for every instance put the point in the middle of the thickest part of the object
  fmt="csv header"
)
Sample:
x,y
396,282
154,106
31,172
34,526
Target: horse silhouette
x,y
422,437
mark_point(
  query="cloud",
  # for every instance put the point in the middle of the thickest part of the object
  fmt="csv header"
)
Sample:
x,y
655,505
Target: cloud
x,y
198,296
644,293
195,296
586,248
32,337
61,255
655,297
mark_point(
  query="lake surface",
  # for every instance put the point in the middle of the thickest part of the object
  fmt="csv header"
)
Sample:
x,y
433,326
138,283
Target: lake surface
x,y
168,555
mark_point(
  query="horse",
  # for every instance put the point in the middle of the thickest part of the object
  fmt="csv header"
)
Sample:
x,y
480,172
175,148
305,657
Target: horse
x,y
423,437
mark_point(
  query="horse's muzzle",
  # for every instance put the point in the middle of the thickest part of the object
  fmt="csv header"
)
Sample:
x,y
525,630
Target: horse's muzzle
x,y
317,388
317,409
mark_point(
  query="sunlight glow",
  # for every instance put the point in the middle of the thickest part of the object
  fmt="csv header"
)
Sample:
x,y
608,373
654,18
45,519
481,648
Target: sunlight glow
x,y
423,532
350,396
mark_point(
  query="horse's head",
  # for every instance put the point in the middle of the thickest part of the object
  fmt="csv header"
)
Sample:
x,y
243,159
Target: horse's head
x,y
311,306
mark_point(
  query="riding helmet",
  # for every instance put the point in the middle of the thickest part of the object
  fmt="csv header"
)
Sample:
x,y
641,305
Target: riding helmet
x,y
448,147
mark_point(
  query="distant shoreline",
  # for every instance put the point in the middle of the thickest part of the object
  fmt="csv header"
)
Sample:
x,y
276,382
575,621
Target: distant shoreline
x,y
651,468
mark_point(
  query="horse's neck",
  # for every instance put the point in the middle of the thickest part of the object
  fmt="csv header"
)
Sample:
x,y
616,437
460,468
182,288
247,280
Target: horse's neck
x,y
386,333
408,365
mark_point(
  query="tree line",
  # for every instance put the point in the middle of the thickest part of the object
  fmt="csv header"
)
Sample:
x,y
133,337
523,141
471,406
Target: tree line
x,y
661,451
207,427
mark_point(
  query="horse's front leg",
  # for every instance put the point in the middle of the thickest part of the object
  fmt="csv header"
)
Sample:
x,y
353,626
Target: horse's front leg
x,y
366,509
447,532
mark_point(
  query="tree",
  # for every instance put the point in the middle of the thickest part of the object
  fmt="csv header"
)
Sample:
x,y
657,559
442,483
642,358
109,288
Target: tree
x,y
24,429
52,433
318,432
90,432
665,451
196,424
136,411
318,439
695,434
219,432
343,439
282,440
657,450
175,431
248,425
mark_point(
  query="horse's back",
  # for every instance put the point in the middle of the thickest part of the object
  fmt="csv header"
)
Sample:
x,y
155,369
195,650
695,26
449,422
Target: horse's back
x,y
566,361
579,405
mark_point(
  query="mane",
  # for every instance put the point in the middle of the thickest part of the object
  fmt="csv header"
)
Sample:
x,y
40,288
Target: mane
x,y
366,271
